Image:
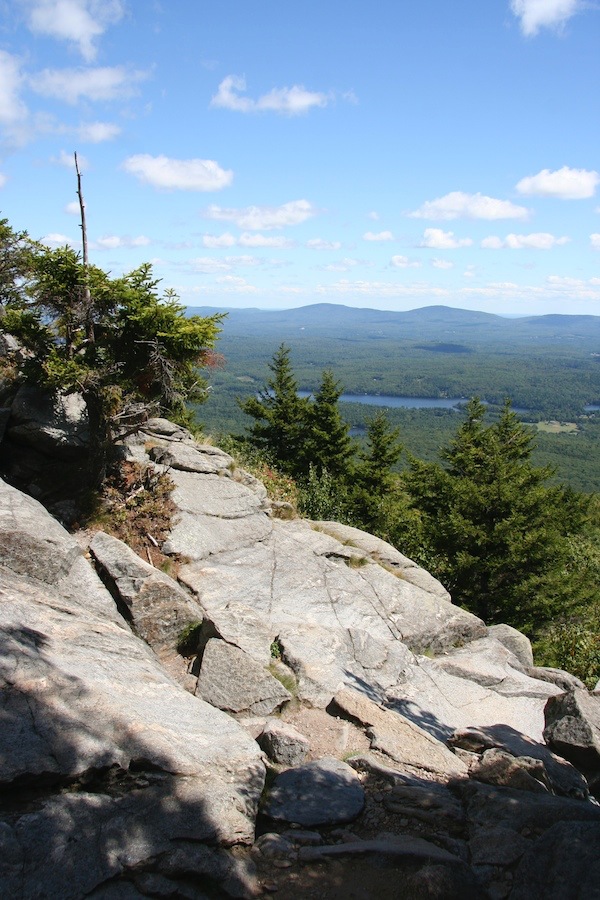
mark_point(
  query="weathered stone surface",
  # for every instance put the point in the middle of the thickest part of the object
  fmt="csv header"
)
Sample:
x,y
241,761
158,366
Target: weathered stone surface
x,y
439,695
215,514
560,776
573,730
283,743
384,553
404,846
52,424
497,846
192,458
563,680
325,792
515,641
488,806
563,864
521,772
231,680
397,737
84,700
157,607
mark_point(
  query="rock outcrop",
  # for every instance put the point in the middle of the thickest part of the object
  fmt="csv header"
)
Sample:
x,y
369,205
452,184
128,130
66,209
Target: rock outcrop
x,y
132,768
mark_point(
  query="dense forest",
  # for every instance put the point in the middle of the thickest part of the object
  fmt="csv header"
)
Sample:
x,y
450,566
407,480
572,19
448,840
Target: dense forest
x,y
548,366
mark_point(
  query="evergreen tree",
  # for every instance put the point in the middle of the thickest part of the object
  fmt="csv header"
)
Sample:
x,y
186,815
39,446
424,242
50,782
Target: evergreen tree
x,y
492,528
375,485
327,444
280,416
117,342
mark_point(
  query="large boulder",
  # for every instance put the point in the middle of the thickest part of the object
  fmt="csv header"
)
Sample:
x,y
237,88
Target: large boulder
x,y
108,763
573,731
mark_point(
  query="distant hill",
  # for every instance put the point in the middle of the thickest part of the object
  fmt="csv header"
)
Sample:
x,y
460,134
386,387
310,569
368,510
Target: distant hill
x,y
431,323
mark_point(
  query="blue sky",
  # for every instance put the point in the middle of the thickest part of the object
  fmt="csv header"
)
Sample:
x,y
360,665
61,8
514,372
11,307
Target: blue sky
x,y
389,154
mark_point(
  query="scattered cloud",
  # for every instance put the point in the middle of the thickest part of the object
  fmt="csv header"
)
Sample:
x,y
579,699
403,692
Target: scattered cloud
x,y
245,240
96,84
210,265
565,183
262,240
373,215
595,241
536,14
378,236
264,218
68,160
443,240
540,240
178,174
321,244
57,240
212,241
115,242
458,205
2,179
72,208
291,101
80,22
403,262
237,285
344,265
442,264
97,132
12,108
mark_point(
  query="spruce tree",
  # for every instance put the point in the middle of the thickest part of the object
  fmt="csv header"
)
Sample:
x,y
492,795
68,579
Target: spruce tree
x,y
280,416
327,445
493,527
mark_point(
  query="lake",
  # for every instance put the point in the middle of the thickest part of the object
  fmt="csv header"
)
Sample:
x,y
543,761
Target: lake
x,y
399,402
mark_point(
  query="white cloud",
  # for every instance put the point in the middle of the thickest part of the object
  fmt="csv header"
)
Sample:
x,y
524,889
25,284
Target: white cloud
x,y
2,179
81,22
264,218
565,183
540,240
56,240
237,285
443,240
344,265
96,84
289,101
378,236
458,205
403,262
536,14
595,241
442,264
210,265
321,244
68,160
178,174
114,242
221,240
72,208
263,240
97,132
373,215
12,108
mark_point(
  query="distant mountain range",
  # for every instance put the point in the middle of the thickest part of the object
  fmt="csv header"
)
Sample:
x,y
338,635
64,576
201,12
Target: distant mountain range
x,y
430,323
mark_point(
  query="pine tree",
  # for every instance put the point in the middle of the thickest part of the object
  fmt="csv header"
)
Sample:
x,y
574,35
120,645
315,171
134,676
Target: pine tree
x,y
327,444
280,416
492,526
375,485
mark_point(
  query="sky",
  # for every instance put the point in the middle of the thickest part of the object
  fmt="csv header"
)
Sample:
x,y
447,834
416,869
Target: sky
x,y
393,154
